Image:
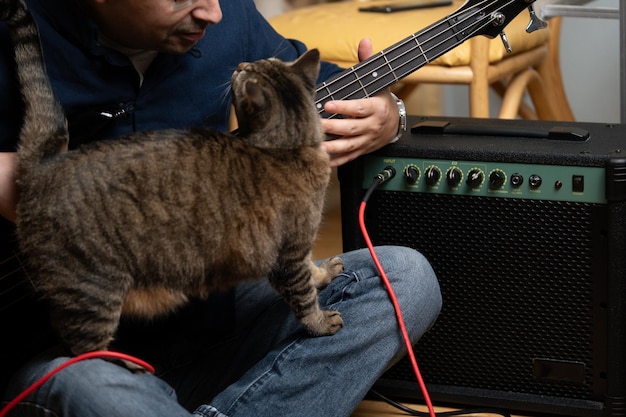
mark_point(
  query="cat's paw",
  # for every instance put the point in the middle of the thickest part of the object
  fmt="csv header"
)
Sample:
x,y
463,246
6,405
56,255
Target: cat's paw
x,y
330,324
334,266
327,271
133,367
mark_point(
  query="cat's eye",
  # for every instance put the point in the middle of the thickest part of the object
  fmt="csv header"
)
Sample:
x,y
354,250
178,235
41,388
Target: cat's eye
x,y
181,4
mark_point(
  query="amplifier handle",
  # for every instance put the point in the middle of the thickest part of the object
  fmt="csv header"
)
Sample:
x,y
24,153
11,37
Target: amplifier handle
x,y
444,127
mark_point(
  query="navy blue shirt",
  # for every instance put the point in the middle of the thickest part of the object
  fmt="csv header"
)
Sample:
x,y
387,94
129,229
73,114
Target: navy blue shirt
x,y
178,90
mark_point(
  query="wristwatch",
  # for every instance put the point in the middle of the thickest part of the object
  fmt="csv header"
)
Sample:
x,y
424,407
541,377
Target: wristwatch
x,y
402,121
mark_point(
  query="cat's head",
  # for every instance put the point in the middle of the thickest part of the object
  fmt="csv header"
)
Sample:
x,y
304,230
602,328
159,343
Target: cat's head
x,y
274,101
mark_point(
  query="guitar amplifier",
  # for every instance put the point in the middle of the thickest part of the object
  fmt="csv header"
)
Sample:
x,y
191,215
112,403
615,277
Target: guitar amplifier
x,y
524,223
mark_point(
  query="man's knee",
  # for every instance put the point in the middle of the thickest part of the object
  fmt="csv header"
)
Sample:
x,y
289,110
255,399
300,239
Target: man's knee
x,y
415,285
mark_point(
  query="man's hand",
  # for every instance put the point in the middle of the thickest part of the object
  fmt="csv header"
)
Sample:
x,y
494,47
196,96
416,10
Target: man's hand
x,y
369,123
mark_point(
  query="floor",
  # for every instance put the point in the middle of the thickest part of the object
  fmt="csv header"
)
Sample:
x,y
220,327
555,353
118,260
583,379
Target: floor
x,y
371,408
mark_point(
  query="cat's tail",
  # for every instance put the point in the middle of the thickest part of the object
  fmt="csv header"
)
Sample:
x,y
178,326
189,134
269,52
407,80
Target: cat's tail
x,y
44,130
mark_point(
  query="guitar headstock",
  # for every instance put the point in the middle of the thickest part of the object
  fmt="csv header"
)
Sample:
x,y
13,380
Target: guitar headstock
x,y
490,17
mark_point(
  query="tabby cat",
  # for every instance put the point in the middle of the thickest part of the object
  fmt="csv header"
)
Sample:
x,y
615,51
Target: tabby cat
x,y
140,224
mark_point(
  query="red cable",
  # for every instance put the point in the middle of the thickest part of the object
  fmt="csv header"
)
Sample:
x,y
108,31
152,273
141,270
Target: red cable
x,y
396,306
84,356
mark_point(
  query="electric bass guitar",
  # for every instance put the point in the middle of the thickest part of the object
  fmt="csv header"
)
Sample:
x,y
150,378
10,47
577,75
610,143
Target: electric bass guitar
x,y
475,17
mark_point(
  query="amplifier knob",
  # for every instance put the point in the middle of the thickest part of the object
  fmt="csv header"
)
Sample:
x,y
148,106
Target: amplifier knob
x,y
432,176
411,174
475,178
454,177
497,178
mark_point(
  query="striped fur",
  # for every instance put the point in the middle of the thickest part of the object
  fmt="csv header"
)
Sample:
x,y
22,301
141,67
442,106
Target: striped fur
x,y
140,224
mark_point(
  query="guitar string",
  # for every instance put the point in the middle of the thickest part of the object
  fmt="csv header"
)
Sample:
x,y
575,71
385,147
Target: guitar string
x,y
410,39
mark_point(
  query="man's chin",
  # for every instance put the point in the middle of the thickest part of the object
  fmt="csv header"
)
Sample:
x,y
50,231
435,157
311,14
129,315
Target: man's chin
x,y
178,48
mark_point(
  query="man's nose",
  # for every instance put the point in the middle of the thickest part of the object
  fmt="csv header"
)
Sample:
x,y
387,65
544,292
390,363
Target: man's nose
x,y
207,10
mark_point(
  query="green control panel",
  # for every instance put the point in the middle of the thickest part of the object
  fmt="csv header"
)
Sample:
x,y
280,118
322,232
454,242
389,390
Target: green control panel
x,y
490,179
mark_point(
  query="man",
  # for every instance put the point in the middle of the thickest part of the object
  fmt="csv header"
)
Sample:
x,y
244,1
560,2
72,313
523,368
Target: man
x,y
120,66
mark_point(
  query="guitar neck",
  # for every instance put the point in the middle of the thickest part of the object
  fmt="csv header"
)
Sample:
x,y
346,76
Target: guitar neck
x,y
403,58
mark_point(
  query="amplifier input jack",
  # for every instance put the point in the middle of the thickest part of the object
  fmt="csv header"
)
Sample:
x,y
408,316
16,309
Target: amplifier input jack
x,y
517,180
534,181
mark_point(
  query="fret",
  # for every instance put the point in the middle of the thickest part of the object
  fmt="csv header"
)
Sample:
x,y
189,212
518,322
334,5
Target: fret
x,y
443,41
419,46
390,67
376,73
325,93
347,86
407,57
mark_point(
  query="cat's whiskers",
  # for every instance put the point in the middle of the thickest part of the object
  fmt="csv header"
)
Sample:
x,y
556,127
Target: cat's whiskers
x,y
224,97
283,44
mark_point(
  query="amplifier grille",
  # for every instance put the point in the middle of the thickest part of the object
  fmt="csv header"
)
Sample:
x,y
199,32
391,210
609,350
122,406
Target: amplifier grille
x,y
517,283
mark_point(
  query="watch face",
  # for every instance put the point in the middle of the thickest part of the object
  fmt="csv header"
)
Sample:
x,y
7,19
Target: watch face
x,y
402,118
402,113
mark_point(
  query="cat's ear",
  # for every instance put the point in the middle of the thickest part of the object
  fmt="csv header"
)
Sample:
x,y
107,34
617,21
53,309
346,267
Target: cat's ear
x,y
254,99
309,65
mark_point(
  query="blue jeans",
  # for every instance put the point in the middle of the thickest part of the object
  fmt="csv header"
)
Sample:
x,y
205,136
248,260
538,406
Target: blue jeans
x,y
267,365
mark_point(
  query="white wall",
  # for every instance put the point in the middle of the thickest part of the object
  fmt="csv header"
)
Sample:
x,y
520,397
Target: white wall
x,y
590,64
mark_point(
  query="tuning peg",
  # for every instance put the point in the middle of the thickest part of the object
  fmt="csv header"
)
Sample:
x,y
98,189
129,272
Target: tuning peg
x,y
536,22
506,43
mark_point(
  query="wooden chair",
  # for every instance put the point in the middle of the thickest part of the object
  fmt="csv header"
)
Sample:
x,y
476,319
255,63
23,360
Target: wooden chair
x,y
532,68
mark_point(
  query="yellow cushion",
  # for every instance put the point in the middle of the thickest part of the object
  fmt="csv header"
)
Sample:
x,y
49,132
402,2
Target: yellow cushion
x,y
336,29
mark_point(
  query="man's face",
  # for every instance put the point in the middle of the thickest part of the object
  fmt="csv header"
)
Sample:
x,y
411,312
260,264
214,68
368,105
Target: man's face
x,y
173,26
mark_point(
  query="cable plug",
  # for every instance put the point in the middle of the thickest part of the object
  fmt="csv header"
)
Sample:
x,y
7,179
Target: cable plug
x,y
386,174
